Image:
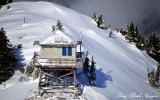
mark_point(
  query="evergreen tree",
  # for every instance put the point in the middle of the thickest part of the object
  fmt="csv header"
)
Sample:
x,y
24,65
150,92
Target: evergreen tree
x,y
100,22
132,33
94,16
140,44
7,57
153,77
110,26
58,26
110,33
92,72
29,70
157,74
135,35
86,65
92,69
153,47
117,30
123,31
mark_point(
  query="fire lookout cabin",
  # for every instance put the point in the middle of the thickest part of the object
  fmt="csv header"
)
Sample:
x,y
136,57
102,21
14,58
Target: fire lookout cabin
x,y
57,62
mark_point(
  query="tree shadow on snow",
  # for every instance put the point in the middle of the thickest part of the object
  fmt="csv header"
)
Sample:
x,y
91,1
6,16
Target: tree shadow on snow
x,y
101,80
18,52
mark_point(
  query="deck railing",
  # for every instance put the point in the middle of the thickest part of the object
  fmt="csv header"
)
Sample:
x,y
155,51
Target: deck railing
x,y
70,62
76,62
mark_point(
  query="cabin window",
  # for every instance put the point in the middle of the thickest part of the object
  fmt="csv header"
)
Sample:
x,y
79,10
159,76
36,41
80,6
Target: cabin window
x,y
69,51
64,51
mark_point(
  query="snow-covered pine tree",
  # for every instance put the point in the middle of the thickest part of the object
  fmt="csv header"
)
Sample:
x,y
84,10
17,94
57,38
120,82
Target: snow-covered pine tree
x,y
157,75
140,44
110,33
135,35
29,70
92,72
58,26
153,78
117,30
123,31
110,27
153,47
86,65
7,57
100,22
36,73
130,32
94,16
92,69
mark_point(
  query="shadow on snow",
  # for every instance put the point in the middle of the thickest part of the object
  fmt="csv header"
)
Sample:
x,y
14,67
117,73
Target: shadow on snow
x,y
18,52
101,79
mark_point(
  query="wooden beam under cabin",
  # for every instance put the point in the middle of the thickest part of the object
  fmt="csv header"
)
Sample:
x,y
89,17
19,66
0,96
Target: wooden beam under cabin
x,y
61,67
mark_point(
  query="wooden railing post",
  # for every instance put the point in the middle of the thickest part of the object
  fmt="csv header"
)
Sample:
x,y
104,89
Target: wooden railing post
x,y
39,86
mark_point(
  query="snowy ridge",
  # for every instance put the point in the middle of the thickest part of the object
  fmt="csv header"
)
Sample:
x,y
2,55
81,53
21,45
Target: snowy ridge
x,y
121,67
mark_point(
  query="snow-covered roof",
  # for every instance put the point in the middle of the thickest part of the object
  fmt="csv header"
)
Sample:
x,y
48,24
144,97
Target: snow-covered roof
x,y
57,38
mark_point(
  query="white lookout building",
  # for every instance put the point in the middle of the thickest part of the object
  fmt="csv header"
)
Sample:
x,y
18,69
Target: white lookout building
x,y
57,62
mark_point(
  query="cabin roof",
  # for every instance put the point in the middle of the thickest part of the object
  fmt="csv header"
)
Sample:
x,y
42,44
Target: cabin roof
x,y
57,38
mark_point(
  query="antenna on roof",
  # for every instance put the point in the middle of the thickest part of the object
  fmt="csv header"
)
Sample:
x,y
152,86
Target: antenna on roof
x,y
80,36
24,20
79,41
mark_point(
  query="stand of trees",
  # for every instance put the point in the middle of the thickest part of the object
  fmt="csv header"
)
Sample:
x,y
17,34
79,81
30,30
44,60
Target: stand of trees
x,y
153,47
7,57
99,20
151,44
58,26
89,71
154,77
101,23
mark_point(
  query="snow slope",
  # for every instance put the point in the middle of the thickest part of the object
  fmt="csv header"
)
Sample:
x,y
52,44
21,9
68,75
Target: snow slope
x,y
121,67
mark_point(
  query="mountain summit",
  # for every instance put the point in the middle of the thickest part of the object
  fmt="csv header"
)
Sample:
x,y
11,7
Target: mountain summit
x,y
121,68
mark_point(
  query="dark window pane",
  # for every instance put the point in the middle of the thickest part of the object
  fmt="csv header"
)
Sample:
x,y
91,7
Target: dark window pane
x,y
64,51
69,51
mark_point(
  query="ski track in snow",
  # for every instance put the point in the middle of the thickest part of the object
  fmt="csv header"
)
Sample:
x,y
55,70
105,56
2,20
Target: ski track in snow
x,y
121,67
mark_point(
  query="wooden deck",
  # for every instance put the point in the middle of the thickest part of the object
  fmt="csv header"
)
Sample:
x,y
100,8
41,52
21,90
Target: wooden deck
x,y
58,63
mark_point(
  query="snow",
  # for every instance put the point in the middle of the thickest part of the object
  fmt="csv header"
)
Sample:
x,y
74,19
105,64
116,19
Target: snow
x,y
58,37
121,67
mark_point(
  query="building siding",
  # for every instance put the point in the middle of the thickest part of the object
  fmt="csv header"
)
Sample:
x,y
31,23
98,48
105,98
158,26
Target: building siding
x,y
49,52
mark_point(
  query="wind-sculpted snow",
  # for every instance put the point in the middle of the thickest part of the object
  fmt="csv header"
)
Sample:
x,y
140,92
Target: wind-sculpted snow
x,y
121,68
